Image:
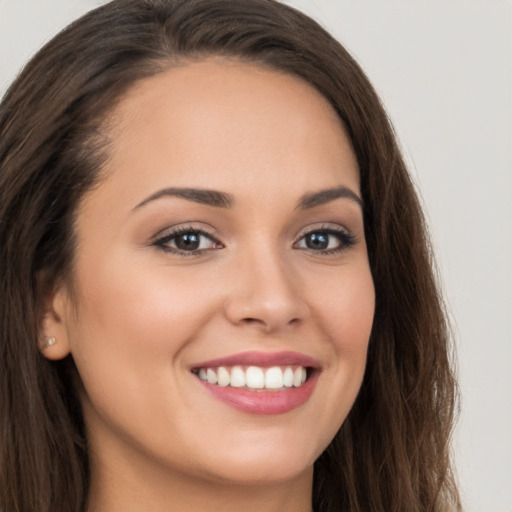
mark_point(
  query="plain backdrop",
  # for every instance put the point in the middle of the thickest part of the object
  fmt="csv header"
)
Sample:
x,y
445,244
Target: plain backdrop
x,y
444,71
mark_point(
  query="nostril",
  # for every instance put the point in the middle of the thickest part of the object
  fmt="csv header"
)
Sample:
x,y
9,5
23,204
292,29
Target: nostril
x,y
252,321
268,324
270,310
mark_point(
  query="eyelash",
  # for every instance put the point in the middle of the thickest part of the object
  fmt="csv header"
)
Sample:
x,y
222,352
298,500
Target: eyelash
x,y
162,242
346,240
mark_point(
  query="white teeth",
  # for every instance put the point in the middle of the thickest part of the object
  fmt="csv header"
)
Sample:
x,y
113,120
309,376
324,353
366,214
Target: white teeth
x,y
274,378
237,377
211,376
297,377
288,377
254,377
223,378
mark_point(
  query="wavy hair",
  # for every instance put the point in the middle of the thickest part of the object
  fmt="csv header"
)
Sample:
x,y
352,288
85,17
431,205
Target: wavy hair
x,y
392,452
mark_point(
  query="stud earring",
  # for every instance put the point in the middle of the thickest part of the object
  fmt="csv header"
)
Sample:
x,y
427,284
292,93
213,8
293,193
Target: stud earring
x,y
49,342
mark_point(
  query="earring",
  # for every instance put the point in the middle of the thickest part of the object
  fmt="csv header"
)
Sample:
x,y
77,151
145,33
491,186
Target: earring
x,y
49,342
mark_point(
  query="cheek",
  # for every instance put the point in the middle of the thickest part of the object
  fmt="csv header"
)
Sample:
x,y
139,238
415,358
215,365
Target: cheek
x,y
143,305
344,313
134,319
345,308
133,322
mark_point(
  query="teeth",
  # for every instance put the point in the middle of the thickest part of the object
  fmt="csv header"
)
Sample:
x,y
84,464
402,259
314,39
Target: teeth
x,y
211,376
237,377
274,378
255,377
287,377
297,377
223,377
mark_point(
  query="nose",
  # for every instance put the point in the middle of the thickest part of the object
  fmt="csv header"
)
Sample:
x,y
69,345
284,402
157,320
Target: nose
x,y
265,293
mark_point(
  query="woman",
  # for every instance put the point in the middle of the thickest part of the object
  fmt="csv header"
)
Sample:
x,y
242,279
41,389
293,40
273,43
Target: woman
x,y
217,286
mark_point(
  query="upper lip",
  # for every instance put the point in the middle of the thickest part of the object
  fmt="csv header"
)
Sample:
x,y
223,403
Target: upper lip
x,y
262,359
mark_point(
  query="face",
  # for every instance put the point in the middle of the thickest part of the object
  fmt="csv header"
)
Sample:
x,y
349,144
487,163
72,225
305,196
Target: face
x,y
220,263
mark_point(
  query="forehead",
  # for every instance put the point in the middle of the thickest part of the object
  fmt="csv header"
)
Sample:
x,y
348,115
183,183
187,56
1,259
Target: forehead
x,y
232,124
224,85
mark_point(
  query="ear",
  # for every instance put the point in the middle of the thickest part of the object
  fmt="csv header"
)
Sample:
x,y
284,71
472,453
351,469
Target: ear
x,y
53,324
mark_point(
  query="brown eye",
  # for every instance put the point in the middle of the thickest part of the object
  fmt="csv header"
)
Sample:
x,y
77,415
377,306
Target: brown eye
x,y
191,241
317,241
188,241
326,241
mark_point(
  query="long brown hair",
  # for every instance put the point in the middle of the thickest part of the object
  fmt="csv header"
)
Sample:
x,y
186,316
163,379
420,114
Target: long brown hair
x,y
392,452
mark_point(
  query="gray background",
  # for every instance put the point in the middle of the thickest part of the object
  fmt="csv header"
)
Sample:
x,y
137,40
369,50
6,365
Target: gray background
x,y
444,71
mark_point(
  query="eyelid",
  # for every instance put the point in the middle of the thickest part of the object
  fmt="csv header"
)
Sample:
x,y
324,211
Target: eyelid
x,y
348,238
182,228
324,226
162,238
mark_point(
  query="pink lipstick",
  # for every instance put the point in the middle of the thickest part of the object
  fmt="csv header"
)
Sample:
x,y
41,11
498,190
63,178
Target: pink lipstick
x,y
258,382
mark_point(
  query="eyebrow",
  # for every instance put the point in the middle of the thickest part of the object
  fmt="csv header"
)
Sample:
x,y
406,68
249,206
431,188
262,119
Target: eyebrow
x,y
224,200
313,199
197,195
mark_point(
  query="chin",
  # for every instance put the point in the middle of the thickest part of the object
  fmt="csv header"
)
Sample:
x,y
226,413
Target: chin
x,y
267,472
262,465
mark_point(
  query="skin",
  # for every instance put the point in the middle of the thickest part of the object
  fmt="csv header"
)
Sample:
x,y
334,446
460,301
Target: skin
x,y
138,316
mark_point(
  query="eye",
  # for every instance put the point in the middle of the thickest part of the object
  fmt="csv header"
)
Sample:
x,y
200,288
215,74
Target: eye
x,y
326,240
187,241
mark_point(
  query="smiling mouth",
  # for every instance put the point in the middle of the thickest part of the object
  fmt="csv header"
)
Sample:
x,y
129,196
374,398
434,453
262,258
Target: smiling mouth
x,y
255,378
263,383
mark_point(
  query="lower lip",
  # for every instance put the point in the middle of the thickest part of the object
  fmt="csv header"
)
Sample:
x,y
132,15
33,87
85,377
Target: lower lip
x,y
262,401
